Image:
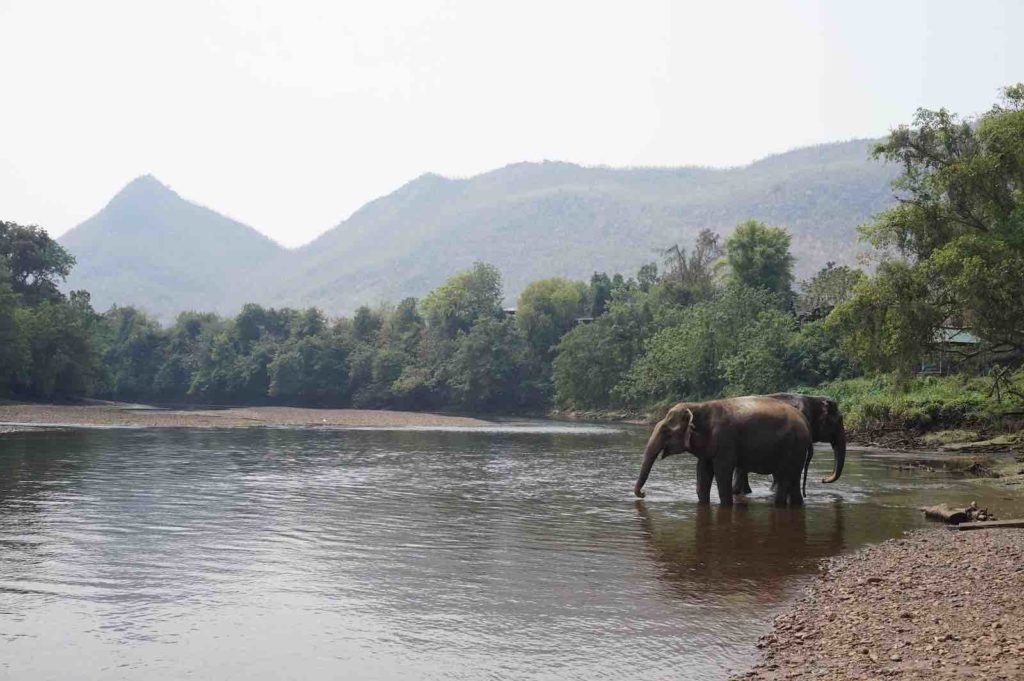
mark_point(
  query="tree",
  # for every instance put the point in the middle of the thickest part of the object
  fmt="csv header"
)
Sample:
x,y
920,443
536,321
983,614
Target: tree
x,y
13,349
889,320
62,358
485,371
311,369
546,310
134,348
592,359
697,270
599,293
34,263
463,300
830,286
734,343
953,246
759,257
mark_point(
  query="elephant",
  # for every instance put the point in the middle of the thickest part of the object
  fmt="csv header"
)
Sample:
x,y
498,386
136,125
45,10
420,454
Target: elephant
x,y
826,424
758,434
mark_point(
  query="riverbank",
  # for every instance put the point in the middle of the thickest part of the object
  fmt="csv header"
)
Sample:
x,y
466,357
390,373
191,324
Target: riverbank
x,y
936,604
118,414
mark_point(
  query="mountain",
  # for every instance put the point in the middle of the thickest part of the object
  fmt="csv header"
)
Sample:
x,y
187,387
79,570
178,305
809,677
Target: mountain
x,y
153,249
535,220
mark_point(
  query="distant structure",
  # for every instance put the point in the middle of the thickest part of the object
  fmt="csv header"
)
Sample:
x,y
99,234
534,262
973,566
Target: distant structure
x,y
953,347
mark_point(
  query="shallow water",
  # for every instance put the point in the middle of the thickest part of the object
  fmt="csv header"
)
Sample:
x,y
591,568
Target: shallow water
x,y
513,552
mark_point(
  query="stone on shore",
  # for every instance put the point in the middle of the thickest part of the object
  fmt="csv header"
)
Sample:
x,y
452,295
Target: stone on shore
x,y
936,604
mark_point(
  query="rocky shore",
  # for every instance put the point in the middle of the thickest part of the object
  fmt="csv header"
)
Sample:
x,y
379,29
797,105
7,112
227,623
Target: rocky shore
x,y
117,414
936,604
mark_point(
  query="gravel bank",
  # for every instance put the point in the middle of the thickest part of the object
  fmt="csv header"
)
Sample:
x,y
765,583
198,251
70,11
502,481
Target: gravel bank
x,y
114,414
937,604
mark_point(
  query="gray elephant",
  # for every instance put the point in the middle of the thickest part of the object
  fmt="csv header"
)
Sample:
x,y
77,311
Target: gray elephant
x,y
757,434
826,424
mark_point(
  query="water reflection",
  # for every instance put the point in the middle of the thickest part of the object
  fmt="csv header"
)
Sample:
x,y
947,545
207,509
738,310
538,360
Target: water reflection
x,y
747,554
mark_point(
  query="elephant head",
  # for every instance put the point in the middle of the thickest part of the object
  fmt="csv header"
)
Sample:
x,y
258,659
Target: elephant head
x,y
672,435
827,426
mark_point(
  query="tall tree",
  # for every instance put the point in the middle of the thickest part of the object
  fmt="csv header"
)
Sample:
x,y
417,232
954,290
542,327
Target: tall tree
x,y
35,263
546,310
954,244
759,257
463,300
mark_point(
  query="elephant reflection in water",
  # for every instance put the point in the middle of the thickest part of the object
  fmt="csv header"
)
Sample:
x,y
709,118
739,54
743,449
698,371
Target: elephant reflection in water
x,y
745,553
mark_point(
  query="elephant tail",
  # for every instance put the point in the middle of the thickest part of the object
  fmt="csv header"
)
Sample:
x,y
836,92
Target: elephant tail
x,y
807,465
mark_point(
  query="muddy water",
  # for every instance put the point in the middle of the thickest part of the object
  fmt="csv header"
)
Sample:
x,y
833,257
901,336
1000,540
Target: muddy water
x,y
516,552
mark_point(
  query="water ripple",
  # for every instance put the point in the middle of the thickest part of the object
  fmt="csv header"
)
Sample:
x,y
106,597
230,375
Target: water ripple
x,y
515,550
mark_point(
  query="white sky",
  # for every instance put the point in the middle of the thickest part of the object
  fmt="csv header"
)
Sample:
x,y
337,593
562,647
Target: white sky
x,y
290,115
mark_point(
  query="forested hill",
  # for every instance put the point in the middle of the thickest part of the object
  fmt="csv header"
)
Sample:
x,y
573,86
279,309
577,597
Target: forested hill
x,y
532,220
151,248
539,220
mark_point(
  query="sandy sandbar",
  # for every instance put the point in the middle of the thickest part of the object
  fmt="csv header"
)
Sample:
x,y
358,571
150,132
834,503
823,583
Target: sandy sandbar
x,y
116,414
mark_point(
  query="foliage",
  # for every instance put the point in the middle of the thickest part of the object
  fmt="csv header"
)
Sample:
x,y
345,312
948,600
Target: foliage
x,y
958,232
922,402
593,358
463,300
735,343
759,257
33,263
546,310
833,284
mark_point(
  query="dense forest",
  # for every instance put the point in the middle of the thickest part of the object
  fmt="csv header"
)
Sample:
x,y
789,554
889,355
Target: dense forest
x,y
714,317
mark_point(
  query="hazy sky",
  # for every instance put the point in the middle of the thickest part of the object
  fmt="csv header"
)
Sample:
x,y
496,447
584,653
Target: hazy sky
x,y
290,115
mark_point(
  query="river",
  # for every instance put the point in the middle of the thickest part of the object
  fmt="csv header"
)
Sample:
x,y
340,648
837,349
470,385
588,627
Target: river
x,y
516,551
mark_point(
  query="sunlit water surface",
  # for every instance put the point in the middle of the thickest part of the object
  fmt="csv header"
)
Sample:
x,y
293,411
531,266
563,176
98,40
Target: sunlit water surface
x,y
512,552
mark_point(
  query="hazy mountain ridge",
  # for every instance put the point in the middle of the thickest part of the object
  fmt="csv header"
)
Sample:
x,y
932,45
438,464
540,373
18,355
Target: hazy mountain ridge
x,y
538,220
151,248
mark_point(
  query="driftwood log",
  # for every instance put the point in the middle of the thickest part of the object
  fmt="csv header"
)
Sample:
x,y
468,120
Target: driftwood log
x,y
991,525
954,516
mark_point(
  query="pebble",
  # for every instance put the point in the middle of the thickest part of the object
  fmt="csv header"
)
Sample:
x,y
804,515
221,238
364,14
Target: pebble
x,y
941,605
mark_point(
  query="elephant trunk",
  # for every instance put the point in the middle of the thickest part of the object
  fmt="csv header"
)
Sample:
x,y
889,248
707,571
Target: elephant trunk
x,y
839,450
651,451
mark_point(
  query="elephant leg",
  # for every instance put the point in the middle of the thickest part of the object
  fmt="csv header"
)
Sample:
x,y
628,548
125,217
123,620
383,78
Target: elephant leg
x,y
705,472
723,476
782,489
795,497
741,482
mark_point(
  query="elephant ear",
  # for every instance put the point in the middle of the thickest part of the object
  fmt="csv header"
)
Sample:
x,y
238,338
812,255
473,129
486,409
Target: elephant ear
x,y
679,422
679,418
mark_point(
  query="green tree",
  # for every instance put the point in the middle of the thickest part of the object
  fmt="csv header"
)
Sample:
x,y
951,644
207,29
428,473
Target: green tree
x,y
485,371
545,312
34,263
954,243
59,335
598,293
734,343
133,351
464,299
13,348
759,257
830,286
592,359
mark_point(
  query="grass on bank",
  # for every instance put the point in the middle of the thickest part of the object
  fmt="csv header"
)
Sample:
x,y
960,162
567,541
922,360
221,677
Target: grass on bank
x,y
927,403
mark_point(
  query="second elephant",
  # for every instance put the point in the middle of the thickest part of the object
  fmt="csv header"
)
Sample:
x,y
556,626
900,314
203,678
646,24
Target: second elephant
x,y
826,424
